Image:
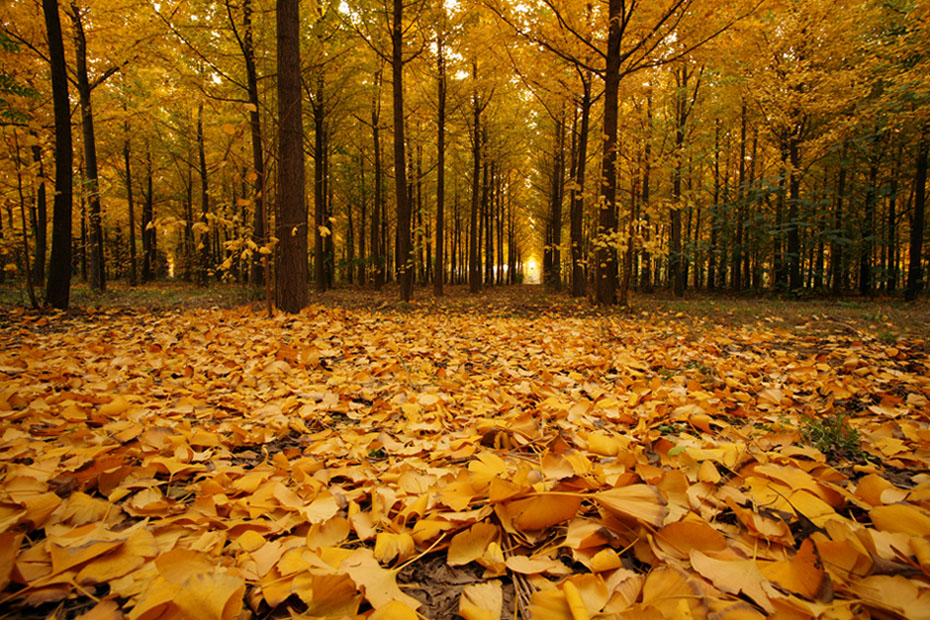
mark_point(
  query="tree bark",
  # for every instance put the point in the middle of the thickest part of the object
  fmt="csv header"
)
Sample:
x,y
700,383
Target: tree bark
x,y
915,278
439,270
58,285
40,224
202,239
130,205
291,227
474,268
97,278
404,265
319,208
606,254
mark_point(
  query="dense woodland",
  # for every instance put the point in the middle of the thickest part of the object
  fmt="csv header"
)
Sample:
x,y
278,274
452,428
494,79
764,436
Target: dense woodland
x,y
773,145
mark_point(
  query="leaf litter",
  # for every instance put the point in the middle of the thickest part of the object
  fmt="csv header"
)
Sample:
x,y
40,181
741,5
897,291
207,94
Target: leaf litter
x,y
350,463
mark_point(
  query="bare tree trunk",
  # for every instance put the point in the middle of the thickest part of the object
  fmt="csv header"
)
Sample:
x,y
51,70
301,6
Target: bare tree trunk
x,y
404,255
474,268
439,270
291,226
58,285
202,239
607,216
97,278
133,276
915,279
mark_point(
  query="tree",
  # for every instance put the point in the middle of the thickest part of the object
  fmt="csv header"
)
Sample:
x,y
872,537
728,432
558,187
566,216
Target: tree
x,y
291,213
58,289
97,277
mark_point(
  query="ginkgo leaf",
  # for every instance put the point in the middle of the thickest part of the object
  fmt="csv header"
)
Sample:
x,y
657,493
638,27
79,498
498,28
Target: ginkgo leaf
x,y
210,596
803,574
471,544
389,546
542,510
481,601
379,585
735,576
638,501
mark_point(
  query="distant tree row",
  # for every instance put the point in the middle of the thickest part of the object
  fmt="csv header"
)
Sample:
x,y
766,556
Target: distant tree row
x,y
617,145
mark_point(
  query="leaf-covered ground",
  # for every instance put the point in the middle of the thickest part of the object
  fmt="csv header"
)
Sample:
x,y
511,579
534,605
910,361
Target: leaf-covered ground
x,y
447,459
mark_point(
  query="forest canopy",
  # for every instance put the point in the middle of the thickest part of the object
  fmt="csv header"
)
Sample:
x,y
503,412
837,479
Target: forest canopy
x,y
600,146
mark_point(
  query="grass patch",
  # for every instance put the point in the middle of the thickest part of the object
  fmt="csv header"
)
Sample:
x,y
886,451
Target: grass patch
x,y
833,435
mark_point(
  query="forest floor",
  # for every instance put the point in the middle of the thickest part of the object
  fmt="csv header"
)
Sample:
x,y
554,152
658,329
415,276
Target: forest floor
x,y
169,452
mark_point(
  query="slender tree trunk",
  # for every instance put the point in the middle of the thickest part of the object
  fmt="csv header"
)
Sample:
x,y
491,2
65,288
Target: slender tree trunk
x,y
794,210
645,281
736,281
474,268
892,222
836,246
866,285
319,260
439,271
97,277
148,229
363,219
203,238
41,217
259,270
291,226
576,204
404,254
377,249
606,254
130,205
915,278
58,285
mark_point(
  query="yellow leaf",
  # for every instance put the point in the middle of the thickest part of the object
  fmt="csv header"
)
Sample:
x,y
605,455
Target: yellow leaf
x,y
117,405
206,596
395,610
901,518
333,595
575,603
481,601
803,574
378,584
470,545
533,566
389,546
734,576
542,510
639,501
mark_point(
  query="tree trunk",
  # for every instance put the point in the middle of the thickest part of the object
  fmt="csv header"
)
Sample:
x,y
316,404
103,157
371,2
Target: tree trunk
x,y
404,255
474,268
836,246
794,209
291,226
576,202
130,205
606,254
148,229
439,270
914,271
40,224
319,260
866,285
258,273
736,281
377,249
203,238
97,277
58,285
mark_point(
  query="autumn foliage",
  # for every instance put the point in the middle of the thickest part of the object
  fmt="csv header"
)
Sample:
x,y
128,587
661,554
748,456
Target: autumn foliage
x,y
216,464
